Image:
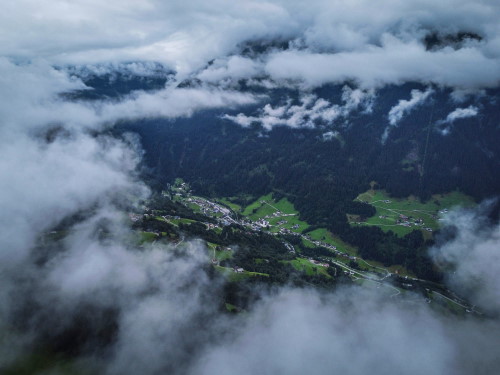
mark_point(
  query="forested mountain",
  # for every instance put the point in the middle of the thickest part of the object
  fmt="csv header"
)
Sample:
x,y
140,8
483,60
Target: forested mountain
x,y
322,167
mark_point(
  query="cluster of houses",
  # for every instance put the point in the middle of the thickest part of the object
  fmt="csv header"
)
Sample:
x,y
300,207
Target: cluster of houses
x,y
262,223
288,231
214,208
408,221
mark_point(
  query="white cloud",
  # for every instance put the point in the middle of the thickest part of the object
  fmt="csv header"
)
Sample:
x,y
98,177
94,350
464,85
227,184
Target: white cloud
x,y
338,40
294,116
310,110
42,183
392,63
172,102
474,258
460,113
55,162
328,136
350,332
403,107
233,67
445,126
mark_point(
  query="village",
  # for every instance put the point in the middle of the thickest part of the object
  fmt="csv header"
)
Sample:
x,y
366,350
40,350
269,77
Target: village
x,y
278,223
225,216
273,223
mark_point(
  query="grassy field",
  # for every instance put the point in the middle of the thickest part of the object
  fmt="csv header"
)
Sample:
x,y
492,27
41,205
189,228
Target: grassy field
x,y
258,210
252,209
233,276
233,206
264,208
324,235
220,255
184,221
389,210
304,265
148,237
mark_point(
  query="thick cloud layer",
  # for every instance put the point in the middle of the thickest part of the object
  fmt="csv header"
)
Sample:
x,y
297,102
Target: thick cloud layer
x,y
372,43
350,332
57,160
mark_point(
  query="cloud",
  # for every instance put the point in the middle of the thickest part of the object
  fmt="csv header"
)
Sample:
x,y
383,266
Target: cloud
x,y
445,126
118,308
160,296
311,110
172,103
393,62
473,257
330,41
351,331
460,113
41,184
357,331
403,107
30,98
328,136
57,160
295,116
233,67
44,180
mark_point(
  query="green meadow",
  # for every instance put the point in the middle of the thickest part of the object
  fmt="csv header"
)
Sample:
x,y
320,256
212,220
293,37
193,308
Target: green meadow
x,y
389,210
265,206
304,265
